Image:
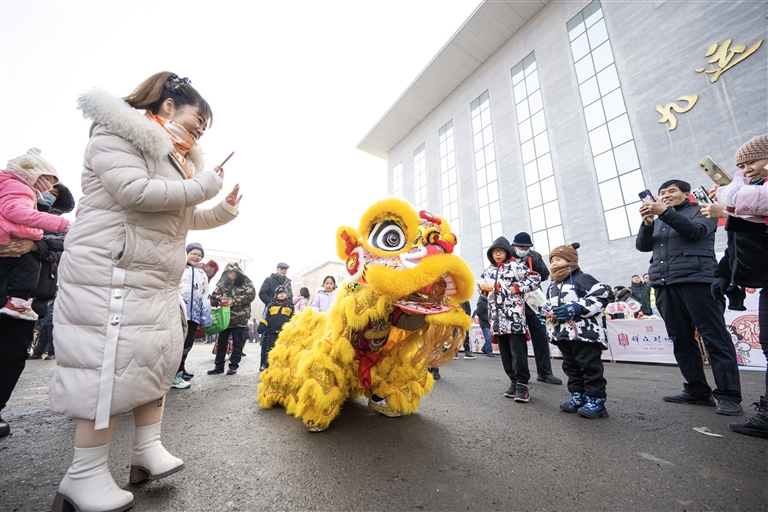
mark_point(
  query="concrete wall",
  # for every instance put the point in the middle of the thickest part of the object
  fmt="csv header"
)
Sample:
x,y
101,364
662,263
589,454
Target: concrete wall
x,y
657,46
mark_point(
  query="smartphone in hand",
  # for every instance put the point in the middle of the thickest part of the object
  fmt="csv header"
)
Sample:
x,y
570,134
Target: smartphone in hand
x,y
646,197
715,172
702,197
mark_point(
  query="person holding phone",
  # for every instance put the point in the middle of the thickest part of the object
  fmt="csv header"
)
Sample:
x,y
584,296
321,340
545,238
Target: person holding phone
x,y
120,323
682,270
743,264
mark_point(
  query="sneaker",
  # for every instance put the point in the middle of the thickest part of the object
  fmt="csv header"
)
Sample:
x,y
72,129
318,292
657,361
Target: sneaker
x,y
180,383
549,379
311,427
687,398
456,356
756,426
510,393
522,394
381,407
50,358
575,403
19,308
231,371
593,409
261,368
489,354
5,429
35,356
469,355
435,373
729,408
216,371
187,376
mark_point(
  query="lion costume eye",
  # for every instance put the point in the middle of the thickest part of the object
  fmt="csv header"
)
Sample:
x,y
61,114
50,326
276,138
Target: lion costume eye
x,y
387,236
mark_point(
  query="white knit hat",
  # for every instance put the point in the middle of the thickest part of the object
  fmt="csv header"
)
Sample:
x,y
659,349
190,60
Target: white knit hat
x,y
32,165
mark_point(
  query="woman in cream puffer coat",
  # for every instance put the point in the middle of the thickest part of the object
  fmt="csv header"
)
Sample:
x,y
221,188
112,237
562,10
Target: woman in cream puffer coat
x,y
120,320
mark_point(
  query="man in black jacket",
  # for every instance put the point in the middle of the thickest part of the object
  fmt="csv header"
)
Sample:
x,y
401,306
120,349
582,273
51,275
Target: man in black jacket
x,y
267,294
522,245
682,271
642,294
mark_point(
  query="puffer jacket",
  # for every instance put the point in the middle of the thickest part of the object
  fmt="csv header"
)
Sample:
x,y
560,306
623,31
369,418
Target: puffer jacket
x,y
194,291
323,300
120,321
481,312
270,284
683,245
275,316
512,279
588,293
19,217
239,292
744,261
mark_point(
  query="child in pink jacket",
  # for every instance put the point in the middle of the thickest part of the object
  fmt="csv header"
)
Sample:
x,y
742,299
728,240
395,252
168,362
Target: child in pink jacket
x,y
26,177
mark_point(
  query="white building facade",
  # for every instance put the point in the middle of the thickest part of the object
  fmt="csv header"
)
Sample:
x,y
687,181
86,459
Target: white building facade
x,y
551,117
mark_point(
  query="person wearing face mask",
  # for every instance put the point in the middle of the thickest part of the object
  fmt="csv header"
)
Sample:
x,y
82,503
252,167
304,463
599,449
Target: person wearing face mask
x,y
682,271
25,177
523,248
120,322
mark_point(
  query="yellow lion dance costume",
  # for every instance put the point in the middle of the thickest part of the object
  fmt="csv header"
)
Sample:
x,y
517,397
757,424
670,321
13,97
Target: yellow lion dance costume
x,y
397,315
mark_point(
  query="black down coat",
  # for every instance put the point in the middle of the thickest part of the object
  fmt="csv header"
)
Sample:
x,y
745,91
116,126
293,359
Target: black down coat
x,y
744,262
683,245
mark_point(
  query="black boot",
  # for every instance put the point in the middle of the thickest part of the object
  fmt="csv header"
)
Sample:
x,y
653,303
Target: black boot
x,y
756,425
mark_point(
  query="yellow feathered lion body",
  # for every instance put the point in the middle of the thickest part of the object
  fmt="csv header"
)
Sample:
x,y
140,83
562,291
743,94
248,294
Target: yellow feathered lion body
x,y
395,316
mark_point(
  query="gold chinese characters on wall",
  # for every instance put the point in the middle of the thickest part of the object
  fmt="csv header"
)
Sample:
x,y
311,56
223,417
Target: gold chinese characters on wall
x,y
666,110
722,55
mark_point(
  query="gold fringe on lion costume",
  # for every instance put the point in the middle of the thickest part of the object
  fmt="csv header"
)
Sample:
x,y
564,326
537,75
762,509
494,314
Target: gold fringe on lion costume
x,y
397,315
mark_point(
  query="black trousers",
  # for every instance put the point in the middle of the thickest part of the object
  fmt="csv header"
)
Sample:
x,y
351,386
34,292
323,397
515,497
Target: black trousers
x,y
584,368
21,274
686,307
238,342
45,340
15,336
189,342
513,349
540,342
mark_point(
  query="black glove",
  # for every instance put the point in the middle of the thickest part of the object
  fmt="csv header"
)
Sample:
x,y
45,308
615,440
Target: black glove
x,y
719,287
736,298
215,302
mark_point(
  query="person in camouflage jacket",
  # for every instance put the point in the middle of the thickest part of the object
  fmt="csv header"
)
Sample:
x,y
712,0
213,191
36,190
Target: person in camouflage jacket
x,y
238,290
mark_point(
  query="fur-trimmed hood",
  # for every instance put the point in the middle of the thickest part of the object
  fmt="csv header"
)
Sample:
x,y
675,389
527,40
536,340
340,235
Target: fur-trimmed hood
x,y
119,118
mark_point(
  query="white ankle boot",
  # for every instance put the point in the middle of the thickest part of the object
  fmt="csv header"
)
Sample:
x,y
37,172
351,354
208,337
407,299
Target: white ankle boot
x,y
88,485
150,461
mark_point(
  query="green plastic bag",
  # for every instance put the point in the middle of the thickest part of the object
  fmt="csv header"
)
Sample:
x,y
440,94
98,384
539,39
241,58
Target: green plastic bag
x,y
219,320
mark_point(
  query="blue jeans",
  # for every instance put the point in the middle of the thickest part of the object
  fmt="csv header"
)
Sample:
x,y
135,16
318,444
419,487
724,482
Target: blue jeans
x,y
487,347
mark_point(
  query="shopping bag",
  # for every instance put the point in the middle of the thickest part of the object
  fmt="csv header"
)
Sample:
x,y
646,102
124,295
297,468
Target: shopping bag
x,y
219,320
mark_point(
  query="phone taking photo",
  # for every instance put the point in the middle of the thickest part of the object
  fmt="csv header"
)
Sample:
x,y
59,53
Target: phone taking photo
x,y
646,197
226,159
702,197
715,172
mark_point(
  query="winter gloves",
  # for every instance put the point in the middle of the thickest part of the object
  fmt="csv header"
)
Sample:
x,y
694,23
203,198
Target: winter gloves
x,y
565,312
727,195
722,288
562,313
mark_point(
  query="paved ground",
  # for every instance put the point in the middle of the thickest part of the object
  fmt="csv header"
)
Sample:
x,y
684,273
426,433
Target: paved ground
x,y
468,448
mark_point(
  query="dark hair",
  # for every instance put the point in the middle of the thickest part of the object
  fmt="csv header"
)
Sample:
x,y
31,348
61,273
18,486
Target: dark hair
x,y
153,91
634,276
684,186
304,292
332,279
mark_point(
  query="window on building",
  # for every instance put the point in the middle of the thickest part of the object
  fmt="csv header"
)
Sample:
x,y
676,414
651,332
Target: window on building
x,y
397,180
485,168
420,178
448,182
546,224
617,167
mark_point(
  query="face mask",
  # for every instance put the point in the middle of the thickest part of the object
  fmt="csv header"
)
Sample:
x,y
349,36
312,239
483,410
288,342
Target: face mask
x,y
48,199
521,254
